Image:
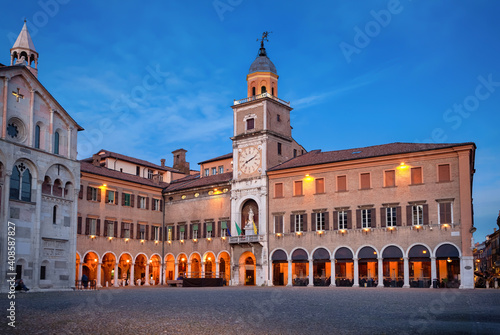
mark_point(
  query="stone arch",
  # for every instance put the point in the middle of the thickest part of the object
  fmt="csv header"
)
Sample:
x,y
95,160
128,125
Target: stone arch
x,y
170,267
419,243
140,263
443,243
224,260
108,275
196,269
209,260
154,269
367,256
279,262
248,270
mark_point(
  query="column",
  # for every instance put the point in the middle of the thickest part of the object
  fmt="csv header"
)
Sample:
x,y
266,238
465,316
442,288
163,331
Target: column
x,y
4,115
51,131
380,275
147,274
163,272
176,270
70,134
289,273
36,235
3,232
188,274
356,273
31,130
311,277
406,273
332,275
203,269
132,275
99,275
217,269
80,270
116,278
433,270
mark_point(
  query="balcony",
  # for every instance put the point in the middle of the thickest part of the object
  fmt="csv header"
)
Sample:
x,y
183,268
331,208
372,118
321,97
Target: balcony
x,y
261,96
246,239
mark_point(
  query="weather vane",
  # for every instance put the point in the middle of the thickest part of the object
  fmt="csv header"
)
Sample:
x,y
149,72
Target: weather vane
x,y
264,37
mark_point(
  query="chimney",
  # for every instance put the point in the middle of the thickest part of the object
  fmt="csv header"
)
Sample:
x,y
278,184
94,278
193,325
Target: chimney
x,y
96,160
180,161
163,162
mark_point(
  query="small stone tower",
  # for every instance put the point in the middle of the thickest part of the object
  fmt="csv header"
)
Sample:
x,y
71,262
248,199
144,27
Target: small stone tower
x,y
24,53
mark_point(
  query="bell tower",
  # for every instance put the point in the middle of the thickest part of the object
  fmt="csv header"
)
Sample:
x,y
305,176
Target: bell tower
x,y
262,77
23,52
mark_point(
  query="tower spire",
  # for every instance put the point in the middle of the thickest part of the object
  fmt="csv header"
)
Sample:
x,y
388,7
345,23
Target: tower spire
x,y
23,51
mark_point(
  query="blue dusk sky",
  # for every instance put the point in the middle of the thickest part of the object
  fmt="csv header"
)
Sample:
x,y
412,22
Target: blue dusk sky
x,y
147,77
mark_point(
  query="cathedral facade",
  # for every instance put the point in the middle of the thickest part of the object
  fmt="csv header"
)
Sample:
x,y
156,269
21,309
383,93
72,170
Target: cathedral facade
x,y
39,177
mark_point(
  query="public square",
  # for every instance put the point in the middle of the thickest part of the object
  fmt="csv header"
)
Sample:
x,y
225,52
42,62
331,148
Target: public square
x,y
258,310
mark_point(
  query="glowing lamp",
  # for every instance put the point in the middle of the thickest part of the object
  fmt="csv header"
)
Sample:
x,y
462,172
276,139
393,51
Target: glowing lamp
x,y
449,260
402,166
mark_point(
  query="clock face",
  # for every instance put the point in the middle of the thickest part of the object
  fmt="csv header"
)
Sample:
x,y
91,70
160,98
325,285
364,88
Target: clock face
x,y
249,160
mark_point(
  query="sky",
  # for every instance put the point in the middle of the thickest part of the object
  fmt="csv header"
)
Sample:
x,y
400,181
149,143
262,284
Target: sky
x,y
145,78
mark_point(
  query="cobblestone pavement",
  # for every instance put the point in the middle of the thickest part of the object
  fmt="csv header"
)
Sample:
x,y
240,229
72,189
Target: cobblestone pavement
x,y
256,310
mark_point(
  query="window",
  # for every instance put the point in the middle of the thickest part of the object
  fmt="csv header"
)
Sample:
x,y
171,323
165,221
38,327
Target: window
x,y
390,178
263,89
156,233
444,173
278,190
111,197
93,193
20,183
253,90
341,183
320,221
278,117
250,124
364,180
320,185
391,216
92,226
366,218
182,232
56,143
278,224
417,215
150,174
445,213
142,202
137,170
209,229
279,149
110,228
170,233
207,172
195,231
297,188
156,205
37,137
272,92
221,169
127,200
416,176
54,214
214,171
299,223
43,272
342,217
126,230
294,153
223,232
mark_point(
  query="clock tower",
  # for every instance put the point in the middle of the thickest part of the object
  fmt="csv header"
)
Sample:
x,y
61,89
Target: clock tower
x,y
262,138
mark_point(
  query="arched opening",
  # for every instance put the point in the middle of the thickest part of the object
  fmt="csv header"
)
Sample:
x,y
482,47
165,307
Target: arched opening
x,y
321,267
210,266
253,91
263,89
170,267
250,217
368,267
140,270
124,267
300,268
54,215
344,267
37,137
225,267
272,91
280,268
195,267
46,186
56,143
247,268
182,266
90,262
393,267
68,189
448,266
57,189
420,266
108,270
77,269
154,270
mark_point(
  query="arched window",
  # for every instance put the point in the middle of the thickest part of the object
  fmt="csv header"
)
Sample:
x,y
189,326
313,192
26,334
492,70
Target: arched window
x,y
263,89
272,91
54,214
20,183
37,137
56,143
15,181
253,90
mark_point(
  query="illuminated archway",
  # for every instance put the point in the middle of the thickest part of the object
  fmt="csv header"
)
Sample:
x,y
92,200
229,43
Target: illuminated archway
x,y
248,269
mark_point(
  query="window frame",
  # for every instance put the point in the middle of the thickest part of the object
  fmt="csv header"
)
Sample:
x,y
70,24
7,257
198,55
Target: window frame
x,y
391,217
250,123
440,211
439,179
342,219
366,218
125,199
393,178
321,191
320,221
276,189
362,179
295,188
419,211
156,233
345,182
282,224
299,223
156,205
214,171
421,175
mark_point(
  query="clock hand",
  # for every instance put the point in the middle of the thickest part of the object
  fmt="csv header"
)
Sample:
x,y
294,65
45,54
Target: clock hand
x,y
251,159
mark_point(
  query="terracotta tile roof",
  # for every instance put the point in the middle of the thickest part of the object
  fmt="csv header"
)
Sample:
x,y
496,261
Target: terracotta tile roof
x,y
317,157
226,156
199,182
103,171
110,154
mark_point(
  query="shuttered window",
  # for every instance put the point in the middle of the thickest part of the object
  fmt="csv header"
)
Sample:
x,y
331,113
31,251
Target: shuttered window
x,y
444,173
445,213
416,176
390,178
364,181
320,185
278,190
278,224
341,183
297,188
